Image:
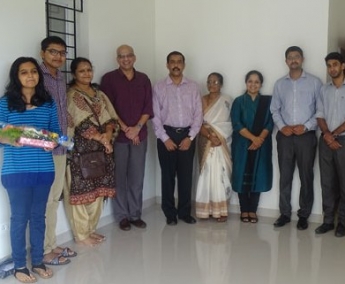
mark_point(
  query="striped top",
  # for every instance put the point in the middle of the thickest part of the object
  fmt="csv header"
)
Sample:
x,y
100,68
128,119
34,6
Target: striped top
x,y
28,159
56,87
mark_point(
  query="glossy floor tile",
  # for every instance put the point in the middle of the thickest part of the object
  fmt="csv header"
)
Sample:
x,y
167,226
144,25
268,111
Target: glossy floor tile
x,y
206,253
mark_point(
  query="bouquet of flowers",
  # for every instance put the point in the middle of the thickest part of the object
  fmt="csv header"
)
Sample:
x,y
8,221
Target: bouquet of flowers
x,y
30,136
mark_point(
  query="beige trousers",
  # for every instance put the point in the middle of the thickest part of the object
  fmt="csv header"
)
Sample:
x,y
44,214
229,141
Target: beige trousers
x,y
53,203
83,218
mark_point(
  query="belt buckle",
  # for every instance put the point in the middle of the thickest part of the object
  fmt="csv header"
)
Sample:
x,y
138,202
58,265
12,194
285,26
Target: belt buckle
x,y
178,130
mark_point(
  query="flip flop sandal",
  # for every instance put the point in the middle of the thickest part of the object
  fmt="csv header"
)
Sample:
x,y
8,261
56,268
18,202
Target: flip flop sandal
x,y
56,261
42,271
67,252
31,279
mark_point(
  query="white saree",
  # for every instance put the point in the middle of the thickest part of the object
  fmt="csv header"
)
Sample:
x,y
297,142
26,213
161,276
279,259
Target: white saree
x,y
213,187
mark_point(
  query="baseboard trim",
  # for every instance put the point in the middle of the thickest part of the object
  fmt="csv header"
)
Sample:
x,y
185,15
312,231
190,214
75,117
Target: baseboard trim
x,y
104,221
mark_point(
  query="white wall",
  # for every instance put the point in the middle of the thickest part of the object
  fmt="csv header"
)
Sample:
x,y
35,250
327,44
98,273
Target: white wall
x,y
110,24
21,34
229,36
233,37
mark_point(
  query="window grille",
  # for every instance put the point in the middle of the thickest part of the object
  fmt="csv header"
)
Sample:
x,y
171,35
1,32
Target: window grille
x,y
61,18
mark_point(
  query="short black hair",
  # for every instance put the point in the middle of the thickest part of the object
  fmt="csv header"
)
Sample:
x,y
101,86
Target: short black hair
x,y
293,48
52,40
335,56
175,53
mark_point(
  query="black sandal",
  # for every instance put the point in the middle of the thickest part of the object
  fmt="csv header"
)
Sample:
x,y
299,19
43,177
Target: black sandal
x,y
244,219
42,271
254,218
31,279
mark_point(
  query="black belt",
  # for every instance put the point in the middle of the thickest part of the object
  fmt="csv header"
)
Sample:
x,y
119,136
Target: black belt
x,y
176,129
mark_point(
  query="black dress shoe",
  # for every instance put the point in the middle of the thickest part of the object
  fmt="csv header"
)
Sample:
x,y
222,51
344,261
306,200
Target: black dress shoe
x,y
172,221
125,225
324,228
138,223
281,221
340,230
302,223
188,219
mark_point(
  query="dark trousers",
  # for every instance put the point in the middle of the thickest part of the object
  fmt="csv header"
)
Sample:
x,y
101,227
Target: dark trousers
x,y
300,149
129,176
249,201
176,163
332,170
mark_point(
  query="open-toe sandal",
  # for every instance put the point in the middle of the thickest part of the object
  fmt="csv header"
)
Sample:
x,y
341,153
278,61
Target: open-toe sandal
x,y
23,275
244,217
66,252
42,271
222,219
253,218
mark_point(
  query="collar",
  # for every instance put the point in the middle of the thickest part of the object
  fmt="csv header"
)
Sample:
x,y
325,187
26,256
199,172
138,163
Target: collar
x,y
169,81
123,74
303,75
45,70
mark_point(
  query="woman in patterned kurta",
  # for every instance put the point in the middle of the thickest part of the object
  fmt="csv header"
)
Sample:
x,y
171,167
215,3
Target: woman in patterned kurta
x,y
85,195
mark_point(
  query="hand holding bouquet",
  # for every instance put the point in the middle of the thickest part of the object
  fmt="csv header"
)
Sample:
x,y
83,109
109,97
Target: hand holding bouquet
x,y
30,136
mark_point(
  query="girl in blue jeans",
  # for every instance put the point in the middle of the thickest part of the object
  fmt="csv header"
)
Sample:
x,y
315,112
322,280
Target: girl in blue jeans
x,y
27,172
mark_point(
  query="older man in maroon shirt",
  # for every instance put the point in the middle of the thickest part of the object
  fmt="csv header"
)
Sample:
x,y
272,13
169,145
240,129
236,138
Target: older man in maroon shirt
x,y
131,95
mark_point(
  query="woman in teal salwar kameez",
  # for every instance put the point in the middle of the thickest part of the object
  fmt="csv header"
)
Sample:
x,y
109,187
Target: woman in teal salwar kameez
x,y
251,146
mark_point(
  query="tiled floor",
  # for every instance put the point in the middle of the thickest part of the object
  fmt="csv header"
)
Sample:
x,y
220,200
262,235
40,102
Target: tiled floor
x,y
206,253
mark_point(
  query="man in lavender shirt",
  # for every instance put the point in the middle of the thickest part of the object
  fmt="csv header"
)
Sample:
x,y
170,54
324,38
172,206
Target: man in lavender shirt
x,y
131,95
177,120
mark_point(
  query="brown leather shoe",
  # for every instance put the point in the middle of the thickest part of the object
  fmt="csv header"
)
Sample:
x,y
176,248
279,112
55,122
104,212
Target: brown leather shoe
x,y
138,223
125,225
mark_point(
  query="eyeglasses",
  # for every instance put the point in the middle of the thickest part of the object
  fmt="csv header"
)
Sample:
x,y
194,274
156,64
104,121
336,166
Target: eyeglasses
x,y
123,56
213,83
297,57
55,52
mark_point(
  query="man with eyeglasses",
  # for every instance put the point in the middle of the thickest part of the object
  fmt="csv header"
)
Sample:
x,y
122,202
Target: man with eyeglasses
x,y
178,118
293,109
53,54
131,95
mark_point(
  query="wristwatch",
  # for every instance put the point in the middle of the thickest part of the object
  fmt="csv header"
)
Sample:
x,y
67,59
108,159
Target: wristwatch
x,y
139,125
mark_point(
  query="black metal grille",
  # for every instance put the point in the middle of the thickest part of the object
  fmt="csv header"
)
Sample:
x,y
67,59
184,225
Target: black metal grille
x,y
62,22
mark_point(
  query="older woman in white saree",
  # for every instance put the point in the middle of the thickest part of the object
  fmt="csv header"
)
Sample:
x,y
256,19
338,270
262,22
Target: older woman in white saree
x,y
213,187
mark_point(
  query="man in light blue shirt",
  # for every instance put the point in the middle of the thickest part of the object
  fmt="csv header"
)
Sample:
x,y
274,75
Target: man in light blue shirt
x,y
331,120
293,109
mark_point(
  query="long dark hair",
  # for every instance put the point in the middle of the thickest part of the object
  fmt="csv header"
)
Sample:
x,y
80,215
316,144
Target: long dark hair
x,y
14,87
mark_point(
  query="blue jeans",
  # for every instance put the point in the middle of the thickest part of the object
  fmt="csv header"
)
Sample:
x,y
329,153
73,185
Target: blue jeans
x,y
28,199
